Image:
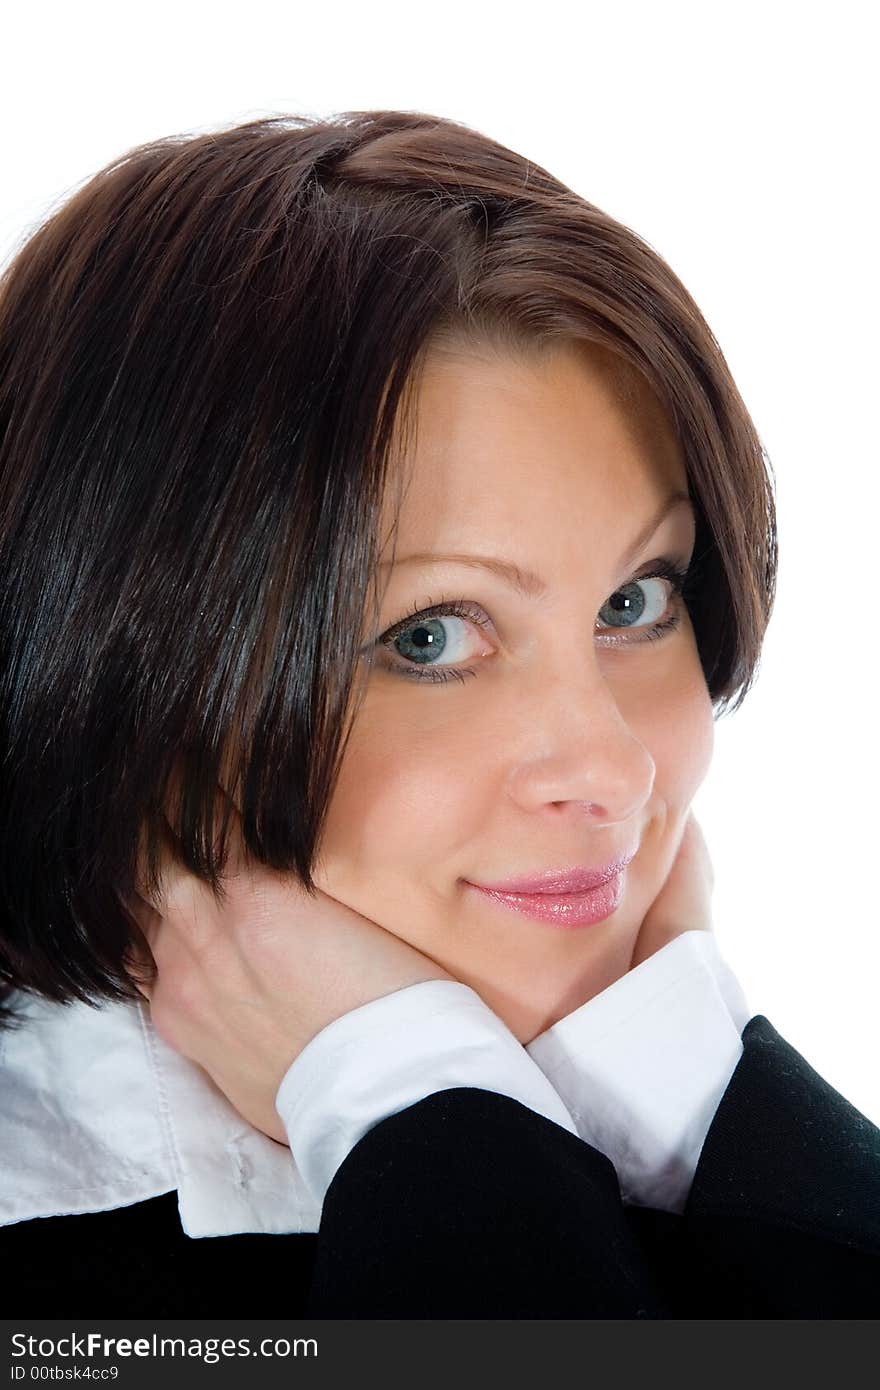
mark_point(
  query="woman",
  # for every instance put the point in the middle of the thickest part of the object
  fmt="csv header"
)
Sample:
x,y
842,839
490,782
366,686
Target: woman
x,y
270,398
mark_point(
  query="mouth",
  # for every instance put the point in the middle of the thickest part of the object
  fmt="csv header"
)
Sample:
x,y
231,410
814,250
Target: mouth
x,y
561,882
578,907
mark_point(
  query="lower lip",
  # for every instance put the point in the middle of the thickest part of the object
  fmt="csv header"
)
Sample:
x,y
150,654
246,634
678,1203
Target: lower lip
x,y
562,909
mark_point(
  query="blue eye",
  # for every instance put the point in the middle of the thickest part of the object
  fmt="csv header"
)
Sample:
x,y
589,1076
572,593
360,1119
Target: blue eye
x,y
419,639
427,639
423,636
628,604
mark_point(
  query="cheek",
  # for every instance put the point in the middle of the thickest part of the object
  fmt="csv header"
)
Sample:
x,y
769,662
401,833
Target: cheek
x,y
681,739
402,800
410,797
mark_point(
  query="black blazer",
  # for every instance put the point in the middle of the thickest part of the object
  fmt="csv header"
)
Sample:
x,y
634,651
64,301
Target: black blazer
x,y
468,1204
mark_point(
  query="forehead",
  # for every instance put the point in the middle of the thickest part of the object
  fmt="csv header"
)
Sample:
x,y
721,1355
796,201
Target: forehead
x,y
492,434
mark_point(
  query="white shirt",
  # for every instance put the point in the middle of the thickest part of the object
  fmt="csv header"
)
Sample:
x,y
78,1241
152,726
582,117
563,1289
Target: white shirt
x,y
99,1112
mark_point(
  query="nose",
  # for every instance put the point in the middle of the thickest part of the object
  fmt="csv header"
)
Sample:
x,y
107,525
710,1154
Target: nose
x,y
580,756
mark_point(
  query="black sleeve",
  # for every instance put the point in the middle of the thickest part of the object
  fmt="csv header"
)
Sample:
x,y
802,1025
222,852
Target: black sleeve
x,y
783,1216
470,1205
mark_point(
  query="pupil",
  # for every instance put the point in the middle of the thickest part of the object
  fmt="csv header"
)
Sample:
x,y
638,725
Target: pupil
x,y
419,642
629,602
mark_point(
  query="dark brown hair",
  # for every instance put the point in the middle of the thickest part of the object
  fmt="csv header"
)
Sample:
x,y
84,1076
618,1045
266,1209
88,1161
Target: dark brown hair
x,y
203,356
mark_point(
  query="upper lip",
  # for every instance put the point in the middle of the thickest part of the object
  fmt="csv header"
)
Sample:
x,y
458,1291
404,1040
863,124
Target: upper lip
x,y
574,880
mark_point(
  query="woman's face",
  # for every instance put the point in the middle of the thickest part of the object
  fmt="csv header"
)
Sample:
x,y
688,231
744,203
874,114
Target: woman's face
x,y
570,738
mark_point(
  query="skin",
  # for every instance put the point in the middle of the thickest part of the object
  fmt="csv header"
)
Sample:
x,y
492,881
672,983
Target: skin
x,y
564,753
560,751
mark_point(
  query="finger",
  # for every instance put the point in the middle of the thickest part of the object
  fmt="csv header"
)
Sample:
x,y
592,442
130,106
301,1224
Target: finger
x,y
229,817
154,889
175,908
147,919
699,849
138,956
153,907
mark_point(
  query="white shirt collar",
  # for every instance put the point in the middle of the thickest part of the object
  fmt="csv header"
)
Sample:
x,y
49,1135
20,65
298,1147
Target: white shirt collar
x,y
99,1112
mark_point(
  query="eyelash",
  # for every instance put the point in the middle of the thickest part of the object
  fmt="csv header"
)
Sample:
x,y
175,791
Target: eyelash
x,y
462,608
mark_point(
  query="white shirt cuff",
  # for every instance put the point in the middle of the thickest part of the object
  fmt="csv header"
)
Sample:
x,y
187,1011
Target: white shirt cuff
x,y
386,1055
642,1066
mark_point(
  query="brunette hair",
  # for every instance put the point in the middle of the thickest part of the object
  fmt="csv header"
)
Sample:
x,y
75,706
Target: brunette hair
x,y
204,356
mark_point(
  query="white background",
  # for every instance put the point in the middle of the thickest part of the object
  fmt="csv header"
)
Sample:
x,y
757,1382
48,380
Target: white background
x,y
741,143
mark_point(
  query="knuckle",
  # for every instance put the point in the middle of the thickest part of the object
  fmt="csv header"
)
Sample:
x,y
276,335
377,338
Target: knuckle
x,y
186,992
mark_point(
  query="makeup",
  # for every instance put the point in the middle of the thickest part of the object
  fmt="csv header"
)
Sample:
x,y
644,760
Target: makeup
x,y
580,907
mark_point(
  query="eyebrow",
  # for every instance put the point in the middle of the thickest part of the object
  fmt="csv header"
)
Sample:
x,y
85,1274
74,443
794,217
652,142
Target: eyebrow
x,y
526,583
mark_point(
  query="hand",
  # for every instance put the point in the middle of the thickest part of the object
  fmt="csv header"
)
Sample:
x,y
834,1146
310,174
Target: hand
x,y
241,988
684,903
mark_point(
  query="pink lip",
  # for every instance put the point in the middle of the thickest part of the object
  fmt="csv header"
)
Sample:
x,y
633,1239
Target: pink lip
x,y
561,881
562,909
